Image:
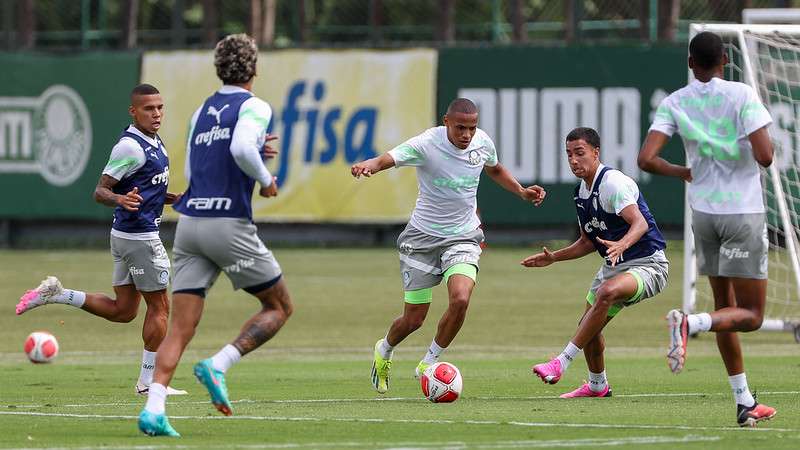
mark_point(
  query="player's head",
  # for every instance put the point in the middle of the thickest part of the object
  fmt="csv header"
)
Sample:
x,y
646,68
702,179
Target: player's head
x,y
461,121
583,151
147,108
707,53
235,59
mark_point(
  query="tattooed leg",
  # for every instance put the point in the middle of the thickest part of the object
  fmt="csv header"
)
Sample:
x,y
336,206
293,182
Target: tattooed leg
x,y
276,307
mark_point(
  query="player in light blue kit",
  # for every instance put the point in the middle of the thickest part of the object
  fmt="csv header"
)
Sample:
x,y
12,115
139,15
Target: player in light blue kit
x,y
216,232
134,183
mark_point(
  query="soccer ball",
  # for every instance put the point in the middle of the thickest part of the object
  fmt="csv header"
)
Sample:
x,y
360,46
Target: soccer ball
x,y
441,383
41,347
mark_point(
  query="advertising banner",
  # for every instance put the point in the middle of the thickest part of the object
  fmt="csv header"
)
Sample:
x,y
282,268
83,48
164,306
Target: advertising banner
x,y
59,118
530,98
330,109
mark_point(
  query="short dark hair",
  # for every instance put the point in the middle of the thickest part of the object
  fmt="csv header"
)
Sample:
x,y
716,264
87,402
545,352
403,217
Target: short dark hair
x,y
462,105
587,134
144,89
235,58
706,50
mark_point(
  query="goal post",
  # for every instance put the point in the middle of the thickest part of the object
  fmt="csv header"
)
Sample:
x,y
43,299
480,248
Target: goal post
x,y
767,57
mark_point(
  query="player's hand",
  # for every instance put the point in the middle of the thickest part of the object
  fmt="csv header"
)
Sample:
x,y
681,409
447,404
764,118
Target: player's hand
x,y
534,194
687,175
269,152
131,200
543,259
172,198
615,250
363,168
271,190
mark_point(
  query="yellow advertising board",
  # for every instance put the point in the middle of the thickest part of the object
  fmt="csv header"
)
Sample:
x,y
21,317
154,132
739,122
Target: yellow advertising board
x,y
330,109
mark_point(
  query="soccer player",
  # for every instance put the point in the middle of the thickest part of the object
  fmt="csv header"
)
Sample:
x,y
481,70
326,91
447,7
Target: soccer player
x,y
615,221
442,239
134,183
215,230
723,125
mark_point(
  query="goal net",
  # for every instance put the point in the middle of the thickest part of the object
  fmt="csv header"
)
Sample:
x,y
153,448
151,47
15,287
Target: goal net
x,y
767,57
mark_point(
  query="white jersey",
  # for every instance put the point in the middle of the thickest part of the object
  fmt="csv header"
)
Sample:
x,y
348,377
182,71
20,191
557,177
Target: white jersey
x,y
448,180
714,120
617,191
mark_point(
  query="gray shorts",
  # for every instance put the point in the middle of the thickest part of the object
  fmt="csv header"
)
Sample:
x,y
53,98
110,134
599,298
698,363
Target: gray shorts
x,y
731,245
651,273
204,246
424,258
144,264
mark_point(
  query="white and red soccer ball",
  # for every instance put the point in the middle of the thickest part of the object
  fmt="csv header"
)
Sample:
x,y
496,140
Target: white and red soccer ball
x,y
41,347
441,383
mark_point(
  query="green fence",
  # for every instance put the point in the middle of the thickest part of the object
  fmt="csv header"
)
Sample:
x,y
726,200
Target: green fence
x,y
59,118
530,98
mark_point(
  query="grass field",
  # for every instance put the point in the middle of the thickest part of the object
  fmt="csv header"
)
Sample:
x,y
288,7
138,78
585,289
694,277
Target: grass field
x,y
310,388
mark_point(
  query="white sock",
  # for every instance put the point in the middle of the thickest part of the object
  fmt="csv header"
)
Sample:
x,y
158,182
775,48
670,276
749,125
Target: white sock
x,y
699,322
225,358
148,367
740,390
385,349
156,399
566,357
70,297
434,351
597,381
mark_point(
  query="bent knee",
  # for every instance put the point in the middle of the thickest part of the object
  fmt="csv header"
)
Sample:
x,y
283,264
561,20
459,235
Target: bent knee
x,y
124,316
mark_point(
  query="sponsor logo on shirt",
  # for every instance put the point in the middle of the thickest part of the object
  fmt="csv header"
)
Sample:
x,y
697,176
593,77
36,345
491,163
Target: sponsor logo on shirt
x,y
213,111
214,134
594,224
161,178
209,203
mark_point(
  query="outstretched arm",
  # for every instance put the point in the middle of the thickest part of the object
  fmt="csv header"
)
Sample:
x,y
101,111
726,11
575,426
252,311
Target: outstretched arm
x,y
506,180
372,166
582,247
650,161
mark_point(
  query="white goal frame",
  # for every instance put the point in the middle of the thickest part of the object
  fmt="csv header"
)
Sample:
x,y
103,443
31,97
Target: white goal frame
x,y
737,32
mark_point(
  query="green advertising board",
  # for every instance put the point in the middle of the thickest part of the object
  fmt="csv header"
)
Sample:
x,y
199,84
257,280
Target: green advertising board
x,y
59,117
530,98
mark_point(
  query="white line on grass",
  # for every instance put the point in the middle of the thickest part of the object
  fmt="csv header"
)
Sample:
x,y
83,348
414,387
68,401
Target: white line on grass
x,y
412,421
454,445
394,399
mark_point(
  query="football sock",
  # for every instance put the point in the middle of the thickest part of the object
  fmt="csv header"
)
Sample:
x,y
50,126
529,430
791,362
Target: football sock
x,y
148,367
699,322
70,297
566,357
433,353
597,381
385,349
740,390
156,399
225,358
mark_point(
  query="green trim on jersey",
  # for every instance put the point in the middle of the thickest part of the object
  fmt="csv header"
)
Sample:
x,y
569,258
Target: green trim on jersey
x,y
116,164
419,297
468,270
615,309
251,114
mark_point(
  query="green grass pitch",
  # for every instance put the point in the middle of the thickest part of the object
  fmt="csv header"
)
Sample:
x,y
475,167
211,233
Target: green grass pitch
x,y
310,386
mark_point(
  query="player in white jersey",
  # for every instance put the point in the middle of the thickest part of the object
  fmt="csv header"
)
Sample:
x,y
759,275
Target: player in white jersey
x,y
134,182
723,125
442,239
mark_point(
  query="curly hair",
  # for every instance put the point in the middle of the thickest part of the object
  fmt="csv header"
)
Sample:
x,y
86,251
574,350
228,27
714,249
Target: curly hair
x,y
235,58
